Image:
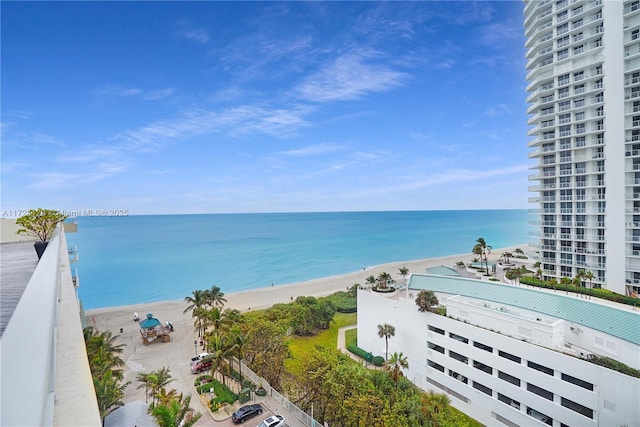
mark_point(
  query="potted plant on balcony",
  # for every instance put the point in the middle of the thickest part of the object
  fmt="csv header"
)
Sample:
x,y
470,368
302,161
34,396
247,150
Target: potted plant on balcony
x,y
40,223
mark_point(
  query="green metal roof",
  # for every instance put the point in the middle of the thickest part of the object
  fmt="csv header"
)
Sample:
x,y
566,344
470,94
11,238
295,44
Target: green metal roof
x,y
443,271
149,322
608,319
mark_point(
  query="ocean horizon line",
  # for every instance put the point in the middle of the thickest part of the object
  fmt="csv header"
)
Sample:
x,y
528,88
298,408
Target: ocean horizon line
x,y
282,212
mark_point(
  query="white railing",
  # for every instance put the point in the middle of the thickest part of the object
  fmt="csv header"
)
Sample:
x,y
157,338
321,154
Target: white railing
x,y
45,372
302,416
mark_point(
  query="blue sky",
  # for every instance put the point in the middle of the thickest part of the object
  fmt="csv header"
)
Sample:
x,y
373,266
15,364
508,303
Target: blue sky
x,y
180,107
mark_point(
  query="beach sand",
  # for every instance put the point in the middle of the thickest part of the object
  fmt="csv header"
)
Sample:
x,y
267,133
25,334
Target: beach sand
x,y
177,353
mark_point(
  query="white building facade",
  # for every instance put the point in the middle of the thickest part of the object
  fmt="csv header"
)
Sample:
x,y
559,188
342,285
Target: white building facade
x,y
509,355
584,104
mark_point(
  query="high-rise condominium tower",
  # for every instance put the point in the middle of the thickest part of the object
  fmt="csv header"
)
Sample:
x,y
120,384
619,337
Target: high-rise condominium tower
x,y
584,101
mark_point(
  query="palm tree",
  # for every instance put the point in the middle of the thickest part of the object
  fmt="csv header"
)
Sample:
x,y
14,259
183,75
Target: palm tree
x,y
386,331
460,265
383,280
577,281
426,300
106,372
506,256
215,297
589,276
109,393
370,280
404,271
197,300
176,412
435,406
157,381
554,283
200,314
395,365
238,345
566,282
485,250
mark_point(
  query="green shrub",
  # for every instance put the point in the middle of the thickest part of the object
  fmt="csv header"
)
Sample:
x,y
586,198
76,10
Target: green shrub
x,y
599,293
493,279
378,360
344,302
358,351
610,363
223,394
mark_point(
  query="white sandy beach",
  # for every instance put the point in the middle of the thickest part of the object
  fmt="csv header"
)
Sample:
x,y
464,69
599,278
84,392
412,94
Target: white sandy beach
x,y
177,353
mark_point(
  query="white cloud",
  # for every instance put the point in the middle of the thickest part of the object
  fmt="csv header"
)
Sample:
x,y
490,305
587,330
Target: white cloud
x,y
238,120
195,34
313,150
349,77
129,92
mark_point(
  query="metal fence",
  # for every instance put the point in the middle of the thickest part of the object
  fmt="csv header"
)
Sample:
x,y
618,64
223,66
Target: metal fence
x,y
302,416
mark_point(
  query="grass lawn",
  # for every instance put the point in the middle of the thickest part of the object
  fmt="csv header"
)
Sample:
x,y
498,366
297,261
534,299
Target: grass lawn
x,y
300,347
351,337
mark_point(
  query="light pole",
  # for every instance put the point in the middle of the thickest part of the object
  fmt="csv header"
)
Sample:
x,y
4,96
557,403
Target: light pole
x,y
195,344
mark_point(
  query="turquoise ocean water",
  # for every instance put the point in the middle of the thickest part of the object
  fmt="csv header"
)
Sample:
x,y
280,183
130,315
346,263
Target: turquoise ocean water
x,y
149,258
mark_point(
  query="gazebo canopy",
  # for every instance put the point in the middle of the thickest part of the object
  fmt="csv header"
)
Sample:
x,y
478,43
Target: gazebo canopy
x,y
150,322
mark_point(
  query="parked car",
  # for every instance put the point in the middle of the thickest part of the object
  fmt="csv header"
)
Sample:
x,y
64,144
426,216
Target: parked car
x,y
245,412
202,365
274,421
198,358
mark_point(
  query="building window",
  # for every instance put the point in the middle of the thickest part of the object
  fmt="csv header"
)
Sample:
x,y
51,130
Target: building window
x,y
482,388
435,365
587,412
459,377
578,89
540,391
564,105
580,116
458,357
509,356
435,347
578,103
577,24
577,381
540,368
563,54
562,42
509,401
436,330
483,367
509,378
563,79
458,338
540,416
483,346
562,16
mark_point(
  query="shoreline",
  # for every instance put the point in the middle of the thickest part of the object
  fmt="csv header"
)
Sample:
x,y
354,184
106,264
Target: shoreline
x,y
267,296
176,354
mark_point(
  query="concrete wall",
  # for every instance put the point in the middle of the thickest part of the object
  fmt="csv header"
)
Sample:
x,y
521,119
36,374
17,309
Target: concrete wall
x,y
614,398
44,367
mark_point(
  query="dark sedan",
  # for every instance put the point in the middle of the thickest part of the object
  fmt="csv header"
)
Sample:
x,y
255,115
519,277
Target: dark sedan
x,y
245,412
